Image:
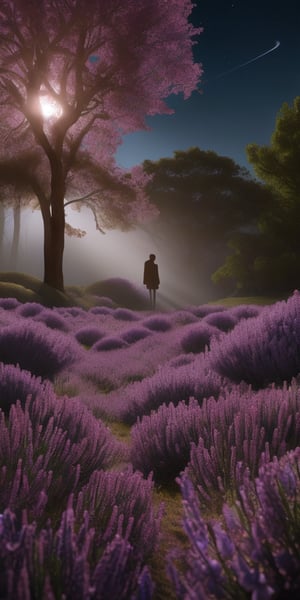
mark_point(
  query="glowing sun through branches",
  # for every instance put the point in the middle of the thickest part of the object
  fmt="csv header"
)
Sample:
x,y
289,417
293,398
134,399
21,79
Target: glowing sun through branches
x,y
50,108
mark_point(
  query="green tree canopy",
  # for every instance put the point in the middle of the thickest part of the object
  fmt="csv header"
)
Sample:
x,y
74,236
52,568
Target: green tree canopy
x,y
204,200
278,166
271,262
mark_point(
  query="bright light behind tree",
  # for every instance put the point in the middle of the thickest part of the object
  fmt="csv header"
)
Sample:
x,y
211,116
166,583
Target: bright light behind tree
x,y
93,76
50,109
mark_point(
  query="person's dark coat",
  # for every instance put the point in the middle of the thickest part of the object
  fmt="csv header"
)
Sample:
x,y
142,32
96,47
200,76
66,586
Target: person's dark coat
x,y
151,277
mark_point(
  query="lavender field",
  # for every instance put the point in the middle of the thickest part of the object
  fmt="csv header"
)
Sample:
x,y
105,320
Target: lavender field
x,y
149,455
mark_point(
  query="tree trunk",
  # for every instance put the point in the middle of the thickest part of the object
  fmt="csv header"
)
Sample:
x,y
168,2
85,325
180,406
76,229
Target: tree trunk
x,y
54,232
53,252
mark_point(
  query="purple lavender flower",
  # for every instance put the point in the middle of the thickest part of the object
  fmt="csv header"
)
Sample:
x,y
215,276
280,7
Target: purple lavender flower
x,y
121,503
9,303
223,320
52,319
124,314
36,349
263,349
60,563
198,337
206,309
29,309
157,323
161,442
89,335
135,334
193,380
255,550
110,343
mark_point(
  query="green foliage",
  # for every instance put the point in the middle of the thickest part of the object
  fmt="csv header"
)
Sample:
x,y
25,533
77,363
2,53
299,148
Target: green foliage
x,y
271,262
278,164
204,199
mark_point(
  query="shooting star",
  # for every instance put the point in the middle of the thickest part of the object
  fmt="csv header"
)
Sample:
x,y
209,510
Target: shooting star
x,y
277,44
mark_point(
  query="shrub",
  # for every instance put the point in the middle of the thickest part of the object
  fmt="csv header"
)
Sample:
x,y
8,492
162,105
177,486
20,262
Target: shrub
x,y
197,337
89,335
135,334
52,320
9,303
238,434
124,314
206,309
254,550
245,311
121,503
103,301
264,349
17,384
36,349
183,317
222,320
121,291
194,380
110,343
72,311
58,563
157,323
101,310
161,442
49,448
29,309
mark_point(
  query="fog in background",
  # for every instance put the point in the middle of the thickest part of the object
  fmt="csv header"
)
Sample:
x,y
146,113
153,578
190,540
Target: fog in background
x,y
99,256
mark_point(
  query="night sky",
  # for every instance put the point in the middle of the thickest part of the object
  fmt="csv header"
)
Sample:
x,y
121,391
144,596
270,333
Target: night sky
x,y
234,108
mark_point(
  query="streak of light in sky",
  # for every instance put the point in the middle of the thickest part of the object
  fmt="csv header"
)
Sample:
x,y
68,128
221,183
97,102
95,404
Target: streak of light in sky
x,y
244,64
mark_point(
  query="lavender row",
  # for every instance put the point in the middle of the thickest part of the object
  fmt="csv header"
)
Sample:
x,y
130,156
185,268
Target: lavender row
x,y
253,551
218,441
51,564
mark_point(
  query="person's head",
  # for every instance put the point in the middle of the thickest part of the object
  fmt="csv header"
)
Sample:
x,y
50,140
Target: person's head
x,y
152,257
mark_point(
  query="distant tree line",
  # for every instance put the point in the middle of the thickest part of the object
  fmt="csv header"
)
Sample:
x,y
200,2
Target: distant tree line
x,y
225,227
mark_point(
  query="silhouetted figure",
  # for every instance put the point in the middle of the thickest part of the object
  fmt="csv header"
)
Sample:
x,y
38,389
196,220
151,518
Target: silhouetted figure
x,y
151,278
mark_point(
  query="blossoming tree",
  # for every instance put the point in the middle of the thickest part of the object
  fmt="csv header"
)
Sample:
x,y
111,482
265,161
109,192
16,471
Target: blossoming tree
x,y
76,77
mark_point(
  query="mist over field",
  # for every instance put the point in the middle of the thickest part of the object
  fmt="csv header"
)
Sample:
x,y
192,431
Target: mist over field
x,y
98,256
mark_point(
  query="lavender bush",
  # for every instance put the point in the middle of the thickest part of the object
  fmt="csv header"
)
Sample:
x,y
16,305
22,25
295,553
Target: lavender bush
x,y
135,334
161,442
87,336
264,349
197,337
193,380
29,309
183,317
121,503
110,343
101,310
9,303
52,319
124,314
157,323
239,433
49,448
223,320
36,349
17,384
59,563
245,311
205,309
190,413
254,552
